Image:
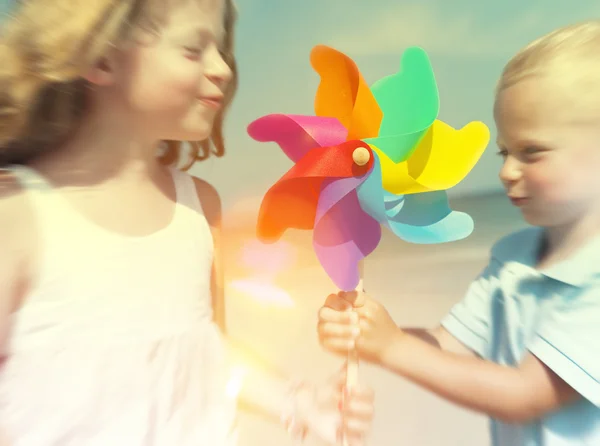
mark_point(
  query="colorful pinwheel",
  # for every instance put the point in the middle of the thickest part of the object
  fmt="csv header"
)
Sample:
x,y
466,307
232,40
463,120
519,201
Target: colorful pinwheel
x,y
370,157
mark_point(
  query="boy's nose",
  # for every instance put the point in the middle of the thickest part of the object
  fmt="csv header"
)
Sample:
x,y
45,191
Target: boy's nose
x,y
511,170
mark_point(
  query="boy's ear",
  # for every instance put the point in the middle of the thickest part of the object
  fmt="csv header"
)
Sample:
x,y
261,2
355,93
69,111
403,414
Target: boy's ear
x,y
102,73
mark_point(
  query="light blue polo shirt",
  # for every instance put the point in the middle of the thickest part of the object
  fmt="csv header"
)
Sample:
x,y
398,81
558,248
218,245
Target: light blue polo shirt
x,y
512,308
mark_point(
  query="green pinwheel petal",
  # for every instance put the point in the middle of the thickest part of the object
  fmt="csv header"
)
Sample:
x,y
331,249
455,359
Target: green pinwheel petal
x,y
410,103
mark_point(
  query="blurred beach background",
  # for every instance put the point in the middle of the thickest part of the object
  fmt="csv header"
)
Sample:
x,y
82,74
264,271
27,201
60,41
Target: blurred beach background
x,y
274,291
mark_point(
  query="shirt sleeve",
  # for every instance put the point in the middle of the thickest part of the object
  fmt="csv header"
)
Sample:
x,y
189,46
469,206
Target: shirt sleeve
x,y
470,320
567,341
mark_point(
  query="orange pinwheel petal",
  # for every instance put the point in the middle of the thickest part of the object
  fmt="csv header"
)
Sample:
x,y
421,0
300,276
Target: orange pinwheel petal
x,y
344,94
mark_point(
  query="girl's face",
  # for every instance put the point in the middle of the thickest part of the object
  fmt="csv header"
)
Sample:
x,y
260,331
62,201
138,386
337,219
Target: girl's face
x,y
551,153
172,84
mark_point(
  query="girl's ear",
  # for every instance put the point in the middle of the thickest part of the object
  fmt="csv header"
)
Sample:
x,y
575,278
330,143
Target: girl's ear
x,y
102,73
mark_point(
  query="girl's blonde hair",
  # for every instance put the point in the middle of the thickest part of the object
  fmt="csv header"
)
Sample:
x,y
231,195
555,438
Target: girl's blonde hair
x,y
46,46
570,56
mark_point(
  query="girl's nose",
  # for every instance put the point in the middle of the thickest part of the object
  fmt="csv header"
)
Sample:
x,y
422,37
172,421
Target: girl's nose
x,y
217,70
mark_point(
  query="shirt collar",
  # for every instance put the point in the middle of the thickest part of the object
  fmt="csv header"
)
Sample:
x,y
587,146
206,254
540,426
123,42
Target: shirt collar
x,y
524,247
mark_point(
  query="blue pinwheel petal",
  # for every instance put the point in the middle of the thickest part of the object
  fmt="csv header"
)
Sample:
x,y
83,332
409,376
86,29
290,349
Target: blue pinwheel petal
x,y
371,194
423,218
427,218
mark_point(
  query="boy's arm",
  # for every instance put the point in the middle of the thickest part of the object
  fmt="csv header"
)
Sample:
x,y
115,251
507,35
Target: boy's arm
x,y
466,329
441,338
558,369
510,394
513,394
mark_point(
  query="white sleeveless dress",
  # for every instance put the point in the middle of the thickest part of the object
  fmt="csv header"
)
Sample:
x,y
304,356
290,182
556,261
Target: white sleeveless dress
x,y
115,343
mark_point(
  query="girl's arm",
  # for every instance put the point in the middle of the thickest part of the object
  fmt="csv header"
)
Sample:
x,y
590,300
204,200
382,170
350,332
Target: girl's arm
x,y
300,407
264,390
17,241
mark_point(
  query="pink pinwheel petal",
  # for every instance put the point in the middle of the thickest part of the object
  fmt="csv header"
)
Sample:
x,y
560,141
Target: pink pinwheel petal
x,y
297,134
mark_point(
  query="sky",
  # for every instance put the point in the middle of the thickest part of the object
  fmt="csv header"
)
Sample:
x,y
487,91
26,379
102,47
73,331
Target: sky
x,y
467,41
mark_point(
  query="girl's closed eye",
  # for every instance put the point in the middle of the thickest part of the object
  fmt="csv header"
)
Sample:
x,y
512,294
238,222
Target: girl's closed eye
x,y
193,51
195,47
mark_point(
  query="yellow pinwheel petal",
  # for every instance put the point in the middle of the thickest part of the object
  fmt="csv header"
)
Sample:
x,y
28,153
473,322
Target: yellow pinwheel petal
x,y
443,158
395,177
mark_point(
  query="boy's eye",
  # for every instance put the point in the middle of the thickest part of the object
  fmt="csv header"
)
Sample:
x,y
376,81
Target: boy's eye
x,y
533,151
503,153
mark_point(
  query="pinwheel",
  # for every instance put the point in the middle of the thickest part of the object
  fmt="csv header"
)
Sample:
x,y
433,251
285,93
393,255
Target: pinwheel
x,y
370,157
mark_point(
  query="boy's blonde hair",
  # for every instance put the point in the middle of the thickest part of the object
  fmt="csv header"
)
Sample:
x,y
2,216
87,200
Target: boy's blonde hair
x,y
569,56
46,46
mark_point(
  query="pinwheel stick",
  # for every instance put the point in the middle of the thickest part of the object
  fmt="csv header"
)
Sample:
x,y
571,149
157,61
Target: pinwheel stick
x,y
352,365
352,360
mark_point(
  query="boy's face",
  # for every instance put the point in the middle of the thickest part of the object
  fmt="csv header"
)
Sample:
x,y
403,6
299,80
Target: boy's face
x,y
551,153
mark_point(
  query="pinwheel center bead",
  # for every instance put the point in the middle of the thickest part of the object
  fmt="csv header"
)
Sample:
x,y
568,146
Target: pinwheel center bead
x,y
361,156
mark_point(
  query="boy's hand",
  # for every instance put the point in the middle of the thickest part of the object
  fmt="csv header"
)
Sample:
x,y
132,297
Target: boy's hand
x,y
349,320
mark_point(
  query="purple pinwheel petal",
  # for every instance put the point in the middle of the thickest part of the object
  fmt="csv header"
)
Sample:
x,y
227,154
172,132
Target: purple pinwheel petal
x,y
297,134
343,233
334,189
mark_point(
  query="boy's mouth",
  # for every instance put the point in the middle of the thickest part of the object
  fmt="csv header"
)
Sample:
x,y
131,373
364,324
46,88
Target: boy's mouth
x,y
517,201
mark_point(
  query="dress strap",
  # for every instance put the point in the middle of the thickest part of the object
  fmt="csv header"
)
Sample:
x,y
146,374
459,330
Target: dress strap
x,y
51,217
187,194
28,178
41,193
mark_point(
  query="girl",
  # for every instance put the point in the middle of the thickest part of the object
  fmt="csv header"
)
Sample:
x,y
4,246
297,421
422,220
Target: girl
x,y
522,346
108,255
